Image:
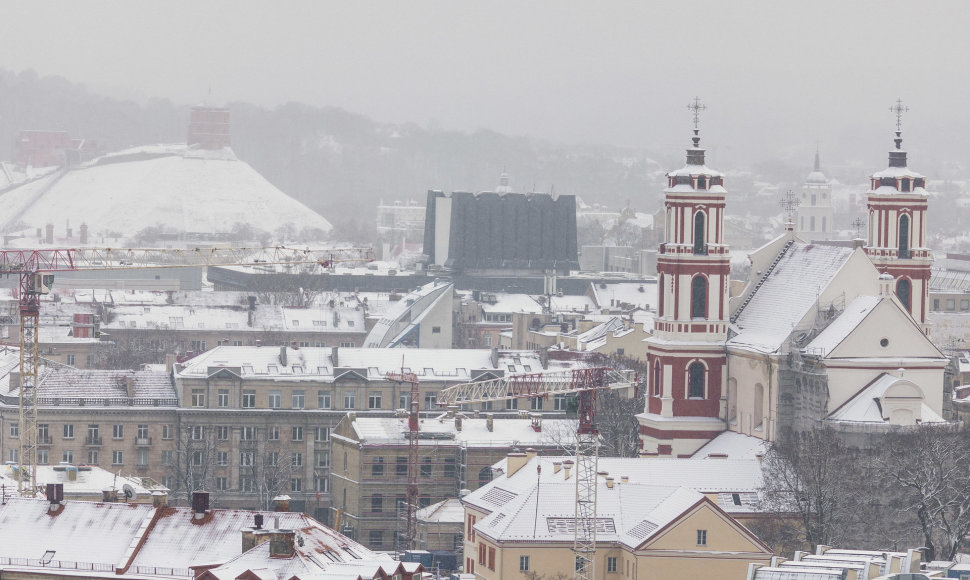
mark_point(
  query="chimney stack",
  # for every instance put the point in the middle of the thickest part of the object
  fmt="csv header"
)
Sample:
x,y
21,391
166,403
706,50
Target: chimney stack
x,y
609,483
556,466
458,420
281,544
490,422
200,503
159,498
514,462
283,355
258,521
566,466
281,503
55,495
109,495
130,384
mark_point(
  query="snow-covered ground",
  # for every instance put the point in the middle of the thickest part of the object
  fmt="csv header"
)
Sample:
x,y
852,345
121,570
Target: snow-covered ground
x,y
175,187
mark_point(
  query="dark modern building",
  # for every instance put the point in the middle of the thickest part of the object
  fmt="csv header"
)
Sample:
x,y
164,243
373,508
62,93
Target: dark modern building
x,y
492,233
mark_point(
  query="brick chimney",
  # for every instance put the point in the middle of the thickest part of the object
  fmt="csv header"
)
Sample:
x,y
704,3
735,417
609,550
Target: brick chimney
x,y
514,462
283,355
200,504
281,544
490,422
281,503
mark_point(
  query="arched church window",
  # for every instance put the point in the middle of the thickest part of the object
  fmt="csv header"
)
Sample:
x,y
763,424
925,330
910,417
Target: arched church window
x,y
904,291
904,237
698,297
695,381
656,378
699,231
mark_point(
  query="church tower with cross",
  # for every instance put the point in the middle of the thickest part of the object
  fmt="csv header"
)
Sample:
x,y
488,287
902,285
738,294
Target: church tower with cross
x,y
896,243
686,354
815,211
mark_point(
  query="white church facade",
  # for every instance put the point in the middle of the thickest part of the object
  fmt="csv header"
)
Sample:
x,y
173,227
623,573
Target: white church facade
x,y
818,333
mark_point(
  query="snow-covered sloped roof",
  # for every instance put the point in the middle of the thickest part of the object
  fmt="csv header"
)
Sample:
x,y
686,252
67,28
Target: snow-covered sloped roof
x,y
880,397
263,362
647,495
850,318
641,295
449,511
509,303
787,294
67,383
179,188
732,445
400,319
555,433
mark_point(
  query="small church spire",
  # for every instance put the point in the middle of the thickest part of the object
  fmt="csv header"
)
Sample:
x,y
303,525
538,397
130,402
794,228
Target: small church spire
x,y
897,158
695,155
818,167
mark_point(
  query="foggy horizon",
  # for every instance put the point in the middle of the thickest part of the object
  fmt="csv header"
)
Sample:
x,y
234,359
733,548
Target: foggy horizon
x,y
778,78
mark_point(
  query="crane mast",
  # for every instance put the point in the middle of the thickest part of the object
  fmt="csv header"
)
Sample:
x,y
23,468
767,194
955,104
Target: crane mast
x,y
412,498
585,383
35,267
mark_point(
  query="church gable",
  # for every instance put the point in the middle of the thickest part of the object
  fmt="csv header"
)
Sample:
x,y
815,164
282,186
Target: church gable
x,y
885,330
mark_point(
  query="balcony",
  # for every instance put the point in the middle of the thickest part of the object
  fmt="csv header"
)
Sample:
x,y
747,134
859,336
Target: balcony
x,y
93,441
143,441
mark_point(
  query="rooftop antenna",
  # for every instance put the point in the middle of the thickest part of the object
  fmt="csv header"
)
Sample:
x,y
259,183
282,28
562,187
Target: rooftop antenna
x,y
789,204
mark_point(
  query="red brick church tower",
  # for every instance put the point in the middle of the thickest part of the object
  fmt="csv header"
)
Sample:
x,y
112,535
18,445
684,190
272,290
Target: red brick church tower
x,y
897,202
686,354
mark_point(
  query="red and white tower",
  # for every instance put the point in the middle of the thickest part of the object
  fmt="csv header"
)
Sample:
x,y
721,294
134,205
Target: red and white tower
x,y
686,353
897,202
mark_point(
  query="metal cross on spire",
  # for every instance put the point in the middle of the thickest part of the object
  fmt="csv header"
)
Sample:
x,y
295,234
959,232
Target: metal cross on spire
x,y
789,203
696,107
899,109
858,224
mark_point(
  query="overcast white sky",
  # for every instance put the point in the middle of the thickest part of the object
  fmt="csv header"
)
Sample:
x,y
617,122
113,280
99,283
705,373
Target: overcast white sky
x,y
776,74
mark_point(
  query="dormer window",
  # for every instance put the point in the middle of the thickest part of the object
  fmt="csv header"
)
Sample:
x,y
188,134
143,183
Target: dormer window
x,y
919,182
701,182
905,185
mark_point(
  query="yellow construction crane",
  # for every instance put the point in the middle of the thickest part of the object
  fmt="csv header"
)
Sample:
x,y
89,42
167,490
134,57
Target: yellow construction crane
x,y
36,269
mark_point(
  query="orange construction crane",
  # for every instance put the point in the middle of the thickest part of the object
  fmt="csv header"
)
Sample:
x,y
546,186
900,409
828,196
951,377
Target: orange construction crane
x,y
36,269
585,384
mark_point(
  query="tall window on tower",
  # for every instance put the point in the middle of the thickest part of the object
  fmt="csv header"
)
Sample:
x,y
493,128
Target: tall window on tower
x,y
656,378
904,291
699,230
904,237
695,381
698,297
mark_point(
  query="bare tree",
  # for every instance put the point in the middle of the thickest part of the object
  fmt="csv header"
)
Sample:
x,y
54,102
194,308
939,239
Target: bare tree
x,y
269,469
806,489
929,471
192,463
